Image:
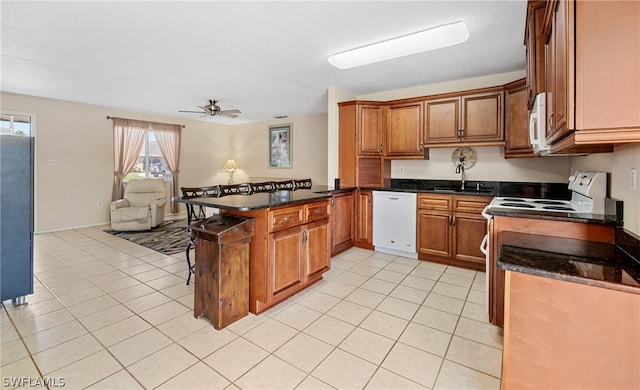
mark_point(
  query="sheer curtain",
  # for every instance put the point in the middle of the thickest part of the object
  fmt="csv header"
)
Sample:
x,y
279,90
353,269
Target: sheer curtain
x,y
128,138
168,137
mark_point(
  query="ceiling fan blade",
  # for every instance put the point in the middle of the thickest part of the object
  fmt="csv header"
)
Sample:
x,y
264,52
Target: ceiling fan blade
x,y
197,112
228,114
232,111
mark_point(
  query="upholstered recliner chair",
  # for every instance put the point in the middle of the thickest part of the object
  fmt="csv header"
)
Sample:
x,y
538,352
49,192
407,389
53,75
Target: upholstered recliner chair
x,y
142,207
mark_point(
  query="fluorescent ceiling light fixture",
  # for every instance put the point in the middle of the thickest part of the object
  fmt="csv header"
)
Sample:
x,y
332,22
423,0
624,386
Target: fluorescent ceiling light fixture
x,y
432,39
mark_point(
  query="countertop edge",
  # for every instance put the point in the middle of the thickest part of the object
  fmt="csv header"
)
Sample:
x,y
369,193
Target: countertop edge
x,y
567,278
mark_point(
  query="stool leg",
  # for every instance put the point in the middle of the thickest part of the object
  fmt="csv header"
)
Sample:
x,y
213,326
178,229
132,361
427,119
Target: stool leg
x,y
191,267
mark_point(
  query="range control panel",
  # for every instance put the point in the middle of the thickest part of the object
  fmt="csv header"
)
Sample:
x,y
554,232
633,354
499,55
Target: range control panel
x,y
591,184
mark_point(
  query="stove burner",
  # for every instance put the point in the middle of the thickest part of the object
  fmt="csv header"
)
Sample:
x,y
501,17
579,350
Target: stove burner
x,y
521,205
561,208
551,202
513,200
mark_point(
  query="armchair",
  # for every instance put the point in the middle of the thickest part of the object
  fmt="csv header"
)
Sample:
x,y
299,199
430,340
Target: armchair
x,y
142,206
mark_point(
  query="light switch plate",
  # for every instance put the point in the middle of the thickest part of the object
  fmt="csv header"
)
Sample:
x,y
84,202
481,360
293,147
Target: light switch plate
x,y
633,179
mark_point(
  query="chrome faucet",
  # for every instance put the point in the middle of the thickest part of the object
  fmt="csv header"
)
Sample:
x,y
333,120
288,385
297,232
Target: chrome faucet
x,y
460,169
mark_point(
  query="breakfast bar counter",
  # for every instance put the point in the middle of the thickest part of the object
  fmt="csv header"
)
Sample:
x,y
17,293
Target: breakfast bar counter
x,y
572,313
291,244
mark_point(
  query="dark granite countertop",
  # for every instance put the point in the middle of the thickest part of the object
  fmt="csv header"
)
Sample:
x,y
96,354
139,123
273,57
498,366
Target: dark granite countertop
x,y
261,200
587,262
600,219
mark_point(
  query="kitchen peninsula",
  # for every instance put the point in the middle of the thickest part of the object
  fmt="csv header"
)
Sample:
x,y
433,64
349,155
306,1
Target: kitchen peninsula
x,y
291,245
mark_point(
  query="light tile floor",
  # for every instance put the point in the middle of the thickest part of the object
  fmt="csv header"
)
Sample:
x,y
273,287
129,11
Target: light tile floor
x,y
109,314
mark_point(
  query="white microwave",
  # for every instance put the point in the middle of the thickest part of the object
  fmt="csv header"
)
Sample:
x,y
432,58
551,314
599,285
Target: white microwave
x,y
537,126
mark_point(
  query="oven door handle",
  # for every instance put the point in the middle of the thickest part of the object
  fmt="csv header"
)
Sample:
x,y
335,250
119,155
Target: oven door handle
x,y
484,245
484,213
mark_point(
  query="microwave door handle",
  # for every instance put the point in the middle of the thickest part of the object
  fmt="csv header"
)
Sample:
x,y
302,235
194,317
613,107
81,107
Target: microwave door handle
x,y
533,137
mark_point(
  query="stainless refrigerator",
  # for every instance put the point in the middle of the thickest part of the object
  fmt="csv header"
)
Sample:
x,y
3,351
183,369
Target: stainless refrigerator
x,y
16,217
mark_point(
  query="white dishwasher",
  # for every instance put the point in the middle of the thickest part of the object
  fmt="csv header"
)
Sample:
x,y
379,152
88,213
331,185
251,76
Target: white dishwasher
x,y
394,223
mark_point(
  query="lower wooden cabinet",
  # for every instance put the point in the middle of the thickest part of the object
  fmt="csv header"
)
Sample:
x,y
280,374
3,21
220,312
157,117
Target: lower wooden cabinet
x,y
342,223
297,255
451,228
364,219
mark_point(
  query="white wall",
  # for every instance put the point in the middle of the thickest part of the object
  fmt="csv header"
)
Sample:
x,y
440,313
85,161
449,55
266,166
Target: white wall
x,y
490,166
79,137
618,164
250,148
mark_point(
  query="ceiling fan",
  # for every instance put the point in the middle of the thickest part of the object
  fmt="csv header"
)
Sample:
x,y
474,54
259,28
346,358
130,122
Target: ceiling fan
x,y
212,109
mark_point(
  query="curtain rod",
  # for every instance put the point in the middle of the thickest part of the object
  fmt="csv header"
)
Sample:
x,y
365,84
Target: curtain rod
x,y
114,117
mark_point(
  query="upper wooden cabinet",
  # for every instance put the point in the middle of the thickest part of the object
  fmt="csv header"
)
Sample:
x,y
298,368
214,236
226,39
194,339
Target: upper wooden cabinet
x,y
534,43
516,121
474,118
592,77
369,125
360,144
404,130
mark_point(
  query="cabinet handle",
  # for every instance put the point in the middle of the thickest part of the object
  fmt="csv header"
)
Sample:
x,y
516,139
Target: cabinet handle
x,y
551,121
285,219
460,133
453,220
450,220
304,236
318,211
380,148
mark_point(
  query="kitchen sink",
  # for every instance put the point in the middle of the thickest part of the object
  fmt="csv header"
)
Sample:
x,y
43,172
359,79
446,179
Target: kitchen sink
x,y
465,191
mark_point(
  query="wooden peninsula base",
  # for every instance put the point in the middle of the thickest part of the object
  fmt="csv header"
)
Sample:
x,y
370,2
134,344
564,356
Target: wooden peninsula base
x,y
290,250
564,335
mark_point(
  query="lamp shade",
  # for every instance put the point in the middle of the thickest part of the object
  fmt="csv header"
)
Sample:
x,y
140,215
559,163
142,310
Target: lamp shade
x,y
230,165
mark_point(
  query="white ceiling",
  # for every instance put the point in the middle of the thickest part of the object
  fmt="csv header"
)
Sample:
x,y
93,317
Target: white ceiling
x,y
265,58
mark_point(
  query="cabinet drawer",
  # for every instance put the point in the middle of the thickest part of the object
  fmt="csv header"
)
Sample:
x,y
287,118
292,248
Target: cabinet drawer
x,y
434,202
470,204
316,211
284,218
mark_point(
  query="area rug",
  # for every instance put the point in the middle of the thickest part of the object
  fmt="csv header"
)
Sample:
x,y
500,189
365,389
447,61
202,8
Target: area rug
x,y
168,238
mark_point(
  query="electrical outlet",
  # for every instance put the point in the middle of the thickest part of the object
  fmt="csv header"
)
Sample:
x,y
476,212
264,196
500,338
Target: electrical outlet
x,y
633,179
100,203
402,170
53,162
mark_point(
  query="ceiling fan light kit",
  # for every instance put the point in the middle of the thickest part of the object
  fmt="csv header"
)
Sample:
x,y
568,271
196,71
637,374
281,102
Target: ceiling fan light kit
x,y
432,39
213,109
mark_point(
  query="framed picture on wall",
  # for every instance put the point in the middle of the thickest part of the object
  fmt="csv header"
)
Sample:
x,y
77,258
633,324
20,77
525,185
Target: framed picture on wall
x,y
280,146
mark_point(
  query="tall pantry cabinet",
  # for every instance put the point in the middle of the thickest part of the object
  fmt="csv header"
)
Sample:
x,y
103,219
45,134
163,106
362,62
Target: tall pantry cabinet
x,y
16,216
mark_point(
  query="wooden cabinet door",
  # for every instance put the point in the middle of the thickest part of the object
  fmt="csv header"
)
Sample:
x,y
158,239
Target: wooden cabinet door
x,y
468,233
534,43
364,220
342,223
317,239
516,120
434,233
285,260
482,117
369,129
404,130
442,120
558,70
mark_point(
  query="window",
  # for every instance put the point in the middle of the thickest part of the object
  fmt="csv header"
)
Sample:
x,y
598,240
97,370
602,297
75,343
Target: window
x,y
15,124
150,162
